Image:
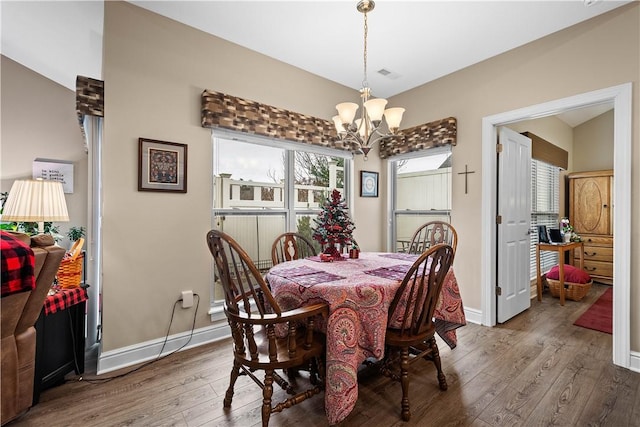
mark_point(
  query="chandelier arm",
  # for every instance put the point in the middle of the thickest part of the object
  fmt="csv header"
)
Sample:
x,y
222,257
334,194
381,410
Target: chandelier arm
x,y
353,137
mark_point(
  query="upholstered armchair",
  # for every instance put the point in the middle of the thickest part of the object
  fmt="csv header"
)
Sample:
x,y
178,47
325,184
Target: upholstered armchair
x,y
19,313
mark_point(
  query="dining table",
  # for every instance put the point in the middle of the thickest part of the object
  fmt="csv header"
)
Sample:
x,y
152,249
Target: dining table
x,y
358,292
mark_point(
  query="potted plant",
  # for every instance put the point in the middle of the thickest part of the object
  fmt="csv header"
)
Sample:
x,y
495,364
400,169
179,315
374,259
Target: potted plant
x,y
75,233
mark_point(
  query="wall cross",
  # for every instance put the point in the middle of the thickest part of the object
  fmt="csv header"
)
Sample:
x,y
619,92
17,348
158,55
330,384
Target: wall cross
x,y
466,175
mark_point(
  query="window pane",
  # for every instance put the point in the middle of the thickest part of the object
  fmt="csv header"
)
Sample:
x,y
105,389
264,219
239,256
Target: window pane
x,y
248,176
406,225
304,226
424,183
316,175
252,183
422,193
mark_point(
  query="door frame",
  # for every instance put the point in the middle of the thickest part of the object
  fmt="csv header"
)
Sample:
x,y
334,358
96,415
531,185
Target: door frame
x,y
621,97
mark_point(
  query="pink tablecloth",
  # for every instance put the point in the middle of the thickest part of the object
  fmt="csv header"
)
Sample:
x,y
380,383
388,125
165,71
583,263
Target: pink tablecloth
x,y
359,292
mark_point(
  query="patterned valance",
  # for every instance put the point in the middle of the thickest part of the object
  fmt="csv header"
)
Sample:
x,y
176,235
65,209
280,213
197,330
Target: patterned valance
x,y
89,97
230,112
89,101
433,134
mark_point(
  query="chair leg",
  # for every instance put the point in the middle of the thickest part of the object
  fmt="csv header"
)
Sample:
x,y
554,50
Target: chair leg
x,y
435,357
235,372
267,392
404,380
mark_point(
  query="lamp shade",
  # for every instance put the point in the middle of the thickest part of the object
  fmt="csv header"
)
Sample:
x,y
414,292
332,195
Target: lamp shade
x,y
394,117
347,111
36,201
375,108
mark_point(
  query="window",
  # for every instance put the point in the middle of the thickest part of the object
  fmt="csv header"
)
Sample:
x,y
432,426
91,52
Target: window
x,y
545,209
264,187
421,192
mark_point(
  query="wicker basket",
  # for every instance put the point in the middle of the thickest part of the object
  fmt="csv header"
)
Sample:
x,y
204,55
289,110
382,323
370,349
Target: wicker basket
x,y
572,291
70,270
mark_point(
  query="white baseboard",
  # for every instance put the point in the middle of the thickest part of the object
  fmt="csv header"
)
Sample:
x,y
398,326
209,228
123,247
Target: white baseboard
x,y
131,355
634,361
473,315
127,356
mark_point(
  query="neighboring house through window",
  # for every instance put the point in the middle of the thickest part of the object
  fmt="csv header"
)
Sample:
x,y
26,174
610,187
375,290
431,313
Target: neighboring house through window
x,y
264,187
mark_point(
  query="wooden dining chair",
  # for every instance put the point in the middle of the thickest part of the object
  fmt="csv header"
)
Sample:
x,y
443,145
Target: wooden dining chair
x,y
290,246
410,334
254,317
432,233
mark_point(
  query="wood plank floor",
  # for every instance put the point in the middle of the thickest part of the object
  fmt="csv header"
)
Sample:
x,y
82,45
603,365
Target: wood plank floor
x,y
537,369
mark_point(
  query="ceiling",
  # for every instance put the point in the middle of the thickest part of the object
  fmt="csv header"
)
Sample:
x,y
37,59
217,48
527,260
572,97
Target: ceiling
x,y
415,41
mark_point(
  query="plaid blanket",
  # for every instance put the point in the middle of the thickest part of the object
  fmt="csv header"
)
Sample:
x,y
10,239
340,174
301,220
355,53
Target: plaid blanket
x,y
64,298
18,264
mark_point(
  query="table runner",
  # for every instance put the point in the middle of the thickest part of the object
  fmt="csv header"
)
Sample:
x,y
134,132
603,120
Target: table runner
x,y
359,292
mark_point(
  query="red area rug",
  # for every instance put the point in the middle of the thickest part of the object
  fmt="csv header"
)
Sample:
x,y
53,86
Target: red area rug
x,y
600,315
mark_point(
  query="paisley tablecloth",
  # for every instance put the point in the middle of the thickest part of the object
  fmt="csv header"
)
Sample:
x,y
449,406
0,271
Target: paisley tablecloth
x,y
359,292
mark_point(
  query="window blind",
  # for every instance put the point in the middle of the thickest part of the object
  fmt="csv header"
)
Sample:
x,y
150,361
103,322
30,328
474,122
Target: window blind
x,y
545,208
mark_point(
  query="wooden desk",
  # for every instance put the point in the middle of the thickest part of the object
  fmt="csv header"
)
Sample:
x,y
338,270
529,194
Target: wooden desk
x,y
561,248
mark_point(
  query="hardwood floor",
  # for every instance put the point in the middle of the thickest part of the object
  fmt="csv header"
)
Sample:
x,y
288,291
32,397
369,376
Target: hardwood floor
x,y
537,369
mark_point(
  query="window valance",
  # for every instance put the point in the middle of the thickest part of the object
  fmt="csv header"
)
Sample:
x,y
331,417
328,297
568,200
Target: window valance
x,y
432,134
89,97
547,152
89,101
231,112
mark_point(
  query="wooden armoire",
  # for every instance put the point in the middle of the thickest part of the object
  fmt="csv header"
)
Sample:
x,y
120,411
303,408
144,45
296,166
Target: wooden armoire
x,y
591,214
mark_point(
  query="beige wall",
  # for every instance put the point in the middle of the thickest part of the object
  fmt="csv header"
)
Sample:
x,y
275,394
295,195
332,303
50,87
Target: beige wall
x,y
596,54
39,121
154,243
155,70
593,144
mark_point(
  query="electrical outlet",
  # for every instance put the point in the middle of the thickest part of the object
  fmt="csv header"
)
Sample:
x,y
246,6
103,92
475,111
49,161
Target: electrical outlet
x,y
187,299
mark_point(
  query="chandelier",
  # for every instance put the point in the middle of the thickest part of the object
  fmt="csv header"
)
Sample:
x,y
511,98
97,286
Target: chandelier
x,y
366,130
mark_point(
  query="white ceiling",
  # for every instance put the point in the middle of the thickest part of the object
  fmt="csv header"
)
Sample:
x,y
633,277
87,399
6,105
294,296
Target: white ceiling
x,y
417,41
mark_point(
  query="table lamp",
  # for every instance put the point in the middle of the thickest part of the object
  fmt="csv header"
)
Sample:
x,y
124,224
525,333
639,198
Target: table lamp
x,y
36,201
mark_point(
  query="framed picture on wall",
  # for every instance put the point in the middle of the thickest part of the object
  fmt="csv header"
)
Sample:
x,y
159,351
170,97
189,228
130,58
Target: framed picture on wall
x,y
162,166
368,184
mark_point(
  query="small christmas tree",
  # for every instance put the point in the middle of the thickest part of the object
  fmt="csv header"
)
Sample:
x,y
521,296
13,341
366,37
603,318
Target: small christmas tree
x,y
333,225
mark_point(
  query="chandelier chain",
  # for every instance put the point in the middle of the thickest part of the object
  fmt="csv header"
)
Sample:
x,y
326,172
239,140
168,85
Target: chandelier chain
x,y
365,83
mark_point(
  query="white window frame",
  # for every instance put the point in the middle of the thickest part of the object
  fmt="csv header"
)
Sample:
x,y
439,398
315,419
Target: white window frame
x,y
288,210
393,212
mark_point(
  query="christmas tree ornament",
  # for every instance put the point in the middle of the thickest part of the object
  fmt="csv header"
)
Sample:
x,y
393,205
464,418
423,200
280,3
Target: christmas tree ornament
x,y
333,226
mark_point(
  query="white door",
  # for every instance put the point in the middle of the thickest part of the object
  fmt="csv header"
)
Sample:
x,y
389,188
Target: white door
x,y
514,210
